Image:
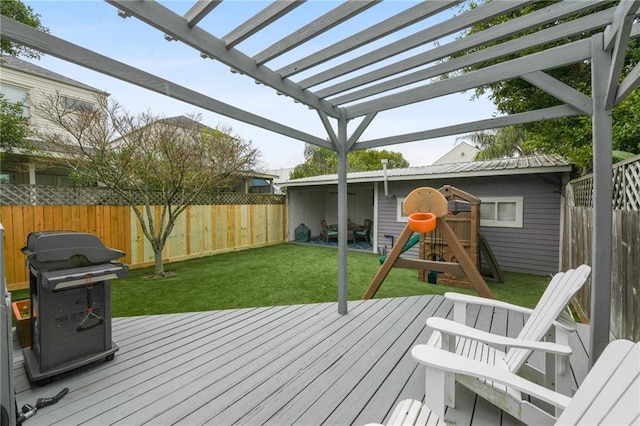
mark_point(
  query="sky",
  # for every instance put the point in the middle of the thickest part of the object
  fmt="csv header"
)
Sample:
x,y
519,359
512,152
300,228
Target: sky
x,y
95,25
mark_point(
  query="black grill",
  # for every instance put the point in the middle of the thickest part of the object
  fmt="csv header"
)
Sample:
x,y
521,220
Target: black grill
x,y
69,278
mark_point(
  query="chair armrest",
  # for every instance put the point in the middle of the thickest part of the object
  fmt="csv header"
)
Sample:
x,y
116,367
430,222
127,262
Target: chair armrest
x,y
452,363
453,328
566,322
563,321
466,298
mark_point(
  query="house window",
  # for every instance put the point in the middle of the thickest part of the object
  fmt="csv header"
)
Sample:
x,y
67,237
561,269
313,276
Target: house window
x,y
76,104
5,178
401,217
503,212
16,95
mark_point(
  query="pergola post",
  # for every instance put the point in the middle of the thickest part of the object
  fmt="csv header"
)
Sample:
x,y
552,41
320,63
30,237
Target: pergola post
x,y
602,202
342,215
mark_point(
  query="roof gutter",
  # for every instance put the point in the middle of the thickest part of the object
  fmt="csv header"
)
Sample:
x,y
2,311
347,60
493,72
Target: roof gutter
x,y
385,179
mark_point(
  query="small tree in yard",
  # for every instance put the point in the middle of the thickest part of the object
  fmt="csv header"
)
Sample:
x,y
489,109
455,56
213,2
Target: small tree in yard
x,y
144,158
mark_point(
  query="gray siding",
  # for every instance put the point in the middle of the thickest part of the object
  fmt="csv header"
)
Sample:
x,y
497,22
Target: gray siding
x,y
533,249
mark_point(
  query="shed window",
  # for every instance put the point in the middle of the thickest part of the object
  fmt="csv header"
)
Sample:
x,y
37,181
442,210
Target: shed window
x,y
16,95
501,212
401,217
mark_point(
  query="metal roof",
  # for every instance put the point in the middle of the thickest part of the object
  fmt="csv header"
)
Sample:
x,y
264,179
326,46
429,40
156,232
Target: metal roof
x,y
509,166
11,62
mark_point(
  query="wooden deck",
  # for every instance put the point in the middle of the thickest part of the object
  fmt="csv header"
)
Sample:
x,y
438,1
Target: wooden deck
x,y
303,364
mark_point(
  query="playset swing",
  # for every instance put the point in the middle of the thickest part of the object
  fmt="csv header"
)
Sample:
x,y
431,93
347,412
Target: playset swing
x,y
425,208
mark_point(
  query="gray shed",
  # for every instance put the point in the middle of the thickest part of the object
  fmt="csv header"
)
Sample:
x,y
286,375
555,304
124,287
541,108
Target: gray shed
x,y
522,201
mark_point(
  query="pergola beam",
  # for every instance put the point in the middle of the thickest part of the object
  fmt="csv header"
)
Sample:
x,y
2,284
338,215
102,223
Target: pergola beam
x,y
401,20
199,10
360,130
560,91
622,24
623,9
324,23
629,84
569,29
552,58
486,11
601,258
474,126
333,138
163,19
265,17
17,32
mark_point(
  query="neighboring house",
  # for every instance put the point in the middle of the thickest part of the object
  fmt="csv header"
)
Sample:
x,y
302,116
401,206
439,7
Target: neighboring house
x,y
28,84
256,183
461,153
282,175
522,202
251,182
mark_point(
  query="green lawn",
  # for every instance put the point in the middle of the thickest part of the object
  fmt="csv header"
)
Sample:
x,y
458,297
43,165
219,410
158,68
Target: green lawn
x,y
280,275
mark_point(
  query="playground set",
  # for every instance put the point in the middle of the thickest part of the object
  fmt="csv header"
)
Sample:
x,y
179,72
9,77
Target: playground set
x,y
449,241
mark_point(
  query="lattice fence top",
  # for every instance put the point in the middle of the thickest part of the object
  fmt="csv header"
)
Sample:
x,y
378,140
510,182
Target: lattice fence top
x,y
74,196
626,187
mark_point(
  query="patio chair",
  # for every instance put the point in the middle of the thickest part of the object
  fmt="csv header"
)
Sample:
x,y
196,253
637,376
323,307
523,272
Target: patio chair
x,y
364,232
609,394
548,320
328,232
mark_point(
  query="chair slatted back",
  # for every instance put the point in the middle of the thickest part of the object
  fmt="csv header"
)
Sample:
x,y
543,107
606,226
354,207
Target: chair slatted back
x,y
610,394
554,300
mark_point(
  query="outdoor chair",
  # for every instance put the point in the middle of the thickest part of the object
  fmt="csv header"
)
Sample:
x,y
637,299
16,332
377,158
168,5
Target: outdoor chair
x,y
548,320
364,232
328,232
609,394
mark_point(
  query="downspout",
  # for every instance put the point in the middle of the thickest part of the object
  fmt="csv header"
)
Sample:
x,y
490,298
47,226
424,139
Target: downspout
x,y
386,181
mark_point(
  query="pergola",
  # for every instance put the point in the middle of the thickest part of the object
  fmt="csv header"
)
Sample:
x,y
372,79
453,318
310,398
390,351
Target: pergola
x,y
373,76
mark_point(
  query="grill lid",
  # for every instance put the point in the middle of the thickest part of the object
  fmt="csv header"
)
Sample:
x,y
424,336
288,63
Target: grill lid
x,y
79,249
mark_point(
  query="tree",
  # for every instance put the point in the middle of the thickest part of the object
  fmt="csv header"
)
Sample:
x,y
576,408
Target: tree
x,y
505,142
17,11
144,158
569,137
323,161
14,127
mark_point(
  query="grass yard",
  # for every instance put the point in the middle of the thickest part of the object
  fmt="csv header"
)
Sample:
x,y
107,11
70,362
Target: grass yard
x,y
285,274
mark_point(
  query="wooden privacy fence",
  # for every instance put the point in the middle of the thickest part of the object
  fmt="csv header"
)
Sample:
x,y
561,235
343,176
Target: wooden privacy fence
x,y
200,231
625,272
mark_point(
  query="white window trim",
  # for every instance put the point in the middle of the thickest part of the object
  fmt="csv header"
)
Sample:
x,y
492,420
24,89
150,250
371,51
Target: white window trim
x,y
26,108
519,201
400,217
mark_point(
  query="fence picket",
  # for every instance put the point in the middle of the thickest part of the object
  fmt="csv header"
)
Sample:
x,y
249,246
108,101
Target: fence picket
x,y
577,239
230,222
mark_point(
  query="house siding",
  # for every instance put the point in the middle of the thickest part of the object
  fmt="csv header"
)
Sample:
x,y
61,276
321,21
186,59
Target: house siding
x,y
39,89
533,249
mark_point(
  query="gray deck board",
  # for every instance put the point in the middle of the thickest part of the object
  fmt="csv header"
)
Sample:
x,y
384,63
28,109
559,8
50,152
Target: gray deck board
x,y
302,364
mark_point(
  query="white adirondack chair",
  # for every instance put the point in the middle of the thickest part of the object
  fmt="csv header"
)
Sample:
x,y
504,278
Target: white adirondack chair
x,y
609,395
548,320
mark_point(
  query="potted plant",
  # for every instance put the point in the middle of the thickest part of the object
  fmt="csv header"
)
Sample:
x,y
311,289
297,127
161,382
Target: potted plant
x,y
22,314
